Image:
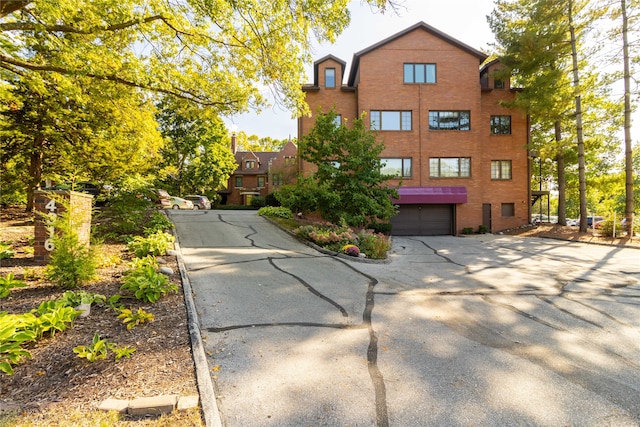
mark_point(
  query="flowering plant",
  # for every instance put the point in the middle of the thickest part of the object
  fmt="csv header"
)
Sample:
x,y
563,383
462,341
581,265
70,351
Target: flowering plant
x,y
352,250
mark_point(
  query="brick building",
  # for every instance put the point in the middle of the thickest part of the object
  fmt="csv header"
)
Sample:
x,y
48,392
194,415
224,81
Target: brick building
x,y
259,173
461,157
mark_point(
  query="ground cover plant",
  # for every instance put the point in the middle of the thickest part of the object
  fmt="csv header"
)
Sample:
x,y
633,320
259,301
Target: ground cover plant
x,y
53,385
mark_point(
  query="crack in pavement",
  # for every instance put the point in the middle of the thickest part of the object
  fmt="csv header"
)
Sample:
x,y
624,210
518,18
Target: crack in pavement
x,y
303,324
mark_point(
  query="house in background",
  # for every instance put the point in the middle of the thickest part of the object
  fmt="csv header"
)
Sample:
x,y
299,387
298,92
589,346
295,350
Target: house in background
x,y
460,156
259,173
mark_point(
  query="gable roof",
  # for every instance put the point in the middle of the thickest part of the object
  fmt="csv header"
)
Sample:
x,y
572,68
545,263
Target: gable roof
x,y
326,58
263,158
420,25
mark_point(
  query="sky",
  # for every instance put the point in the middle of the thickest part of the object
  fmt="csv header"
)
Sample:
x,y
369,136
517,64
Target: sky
x,y
465,20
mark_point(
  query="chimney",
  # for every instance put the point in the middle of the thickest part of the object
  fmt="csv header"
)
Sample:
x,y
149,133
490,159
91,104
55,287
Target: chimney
x,y
233,143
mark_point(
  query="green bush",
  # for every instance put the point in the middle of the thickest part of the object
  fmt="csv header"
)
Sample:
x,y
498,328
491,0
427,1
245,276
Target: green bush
x,y
380,227
258,201
467,230
374,245
157,222
147,284
272,200
71,262
275,212
157,243
483,229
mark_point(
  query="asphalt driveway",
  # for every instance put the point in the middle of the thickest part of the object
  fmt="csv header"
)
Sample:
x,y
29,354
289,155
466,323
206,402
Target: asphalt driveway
x,y
489,331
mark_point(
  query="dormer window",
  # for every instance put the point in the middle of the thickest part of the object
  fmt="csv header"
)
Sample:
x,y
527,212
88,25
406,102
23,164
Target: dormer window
x,y
249,164
329,77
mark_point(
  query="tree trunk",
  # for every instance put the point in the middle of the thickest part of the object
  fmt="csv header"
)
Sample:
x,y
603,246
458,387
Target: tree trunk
x,y
35,171
581,161
562,180
628,153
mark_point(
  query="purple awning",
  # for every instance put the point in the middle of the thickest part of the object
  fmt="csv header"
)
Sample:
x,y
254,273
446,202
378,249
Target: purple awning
x,y
431,195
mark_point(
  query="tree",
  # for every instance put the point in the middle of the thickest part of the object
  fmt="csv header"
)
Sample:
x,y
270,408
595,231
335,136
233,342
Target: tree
x,y
348,180
84,132
196,156
215,53
540,48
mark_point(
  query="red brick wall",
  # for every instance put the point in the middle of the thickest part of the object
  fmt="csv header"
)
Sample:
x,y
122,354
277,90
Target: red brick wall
x,y
380,86
80,205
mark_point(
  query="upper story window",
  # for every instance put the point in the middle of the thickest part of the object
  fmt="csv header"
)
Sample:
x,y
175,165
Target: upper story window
x,y
450,167
249,164
400,168
419,73
390,120
449,120
498,84
239,181
261,181
329,77
290,160
337,120
501,169
501,125
277,179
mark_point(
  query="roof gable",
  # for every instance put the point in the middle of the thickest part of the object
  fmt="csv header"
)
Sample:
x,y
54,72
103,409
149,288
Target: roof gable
x,y
342,63
419,26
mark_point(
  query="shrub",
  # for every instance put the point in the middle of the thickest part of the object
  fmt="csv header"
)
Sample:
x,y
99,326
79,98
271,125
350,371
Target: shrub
x,y
374,245
147,284
331,237
157,222
71,263
467,230
380,227
275,212
258,201
483,229
154,244
272,200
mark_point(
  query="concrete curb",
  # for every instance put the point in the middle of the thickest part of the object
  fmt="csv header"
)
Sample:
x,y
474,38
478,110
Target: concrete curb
x,y
203,376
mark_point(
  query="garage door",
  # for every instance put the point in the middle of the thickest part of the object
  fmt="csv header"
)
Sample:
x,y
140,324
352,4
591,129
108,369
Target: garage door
x,y
423,220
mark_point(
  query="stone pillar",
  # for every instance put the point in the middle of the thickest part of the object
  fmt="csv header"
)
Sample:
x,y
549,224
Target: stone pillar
x,y
49,202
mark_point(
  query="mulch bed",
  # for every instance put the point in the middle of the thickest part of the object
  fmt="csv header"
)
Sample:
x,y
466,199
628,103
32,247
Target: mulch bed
x,y
55,375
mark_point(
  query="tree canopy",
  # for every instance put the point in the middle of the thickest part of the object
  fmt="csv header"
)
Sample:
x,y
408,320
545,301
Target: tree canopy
x,y
348,185
213,52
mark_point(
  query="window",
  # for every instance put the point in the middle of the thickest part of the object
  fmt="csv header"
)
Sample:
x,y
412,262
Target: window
x,y
390,120
508,209
419,73
449,167
290,160
239,181
329,77
498,84
501,125
400,168
337,120
277,179
261,181
449,120
501,169
249,164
